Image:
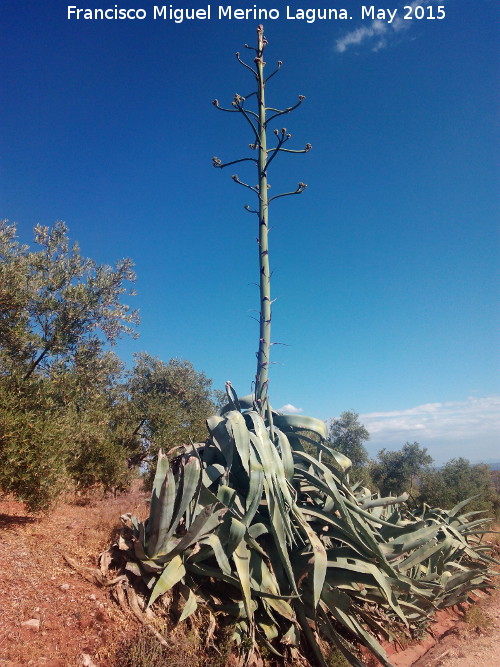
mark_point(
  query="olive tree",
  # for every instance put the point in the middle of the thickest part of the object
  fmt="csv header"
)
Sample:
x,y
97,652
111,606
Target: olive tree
x,y
53,300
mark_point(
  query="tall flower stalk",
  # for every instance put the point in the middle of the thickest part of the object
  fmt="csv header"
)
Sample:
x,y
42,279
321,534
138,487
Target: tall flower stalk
x,y
259,121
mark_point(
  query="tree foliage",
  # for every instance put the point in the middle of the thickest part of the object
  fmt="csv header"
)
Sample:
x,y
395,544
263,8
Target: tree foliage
x,y
346,435
397,471
33,440
169,402
63,431
61,391
53,300
459,479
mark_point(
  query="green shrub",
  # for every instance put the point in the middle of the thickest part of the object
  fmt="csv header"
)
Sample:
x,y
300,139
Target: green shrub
x,y
47,447
33,445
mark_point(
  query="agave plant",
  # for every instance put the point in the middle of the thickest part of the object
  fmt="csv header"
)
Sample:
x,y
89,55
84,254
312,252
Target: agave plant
x,y
256,527
258,530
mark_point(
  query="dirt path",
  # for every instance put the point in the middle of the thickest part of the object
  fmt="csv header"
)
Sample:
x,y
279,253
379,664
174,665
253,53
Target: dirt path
x,y
474,643
51,616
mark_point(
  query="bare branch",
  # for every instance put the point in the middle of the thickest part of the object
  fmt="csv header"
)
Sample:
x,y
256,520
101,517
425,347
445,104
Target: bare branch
x,y
281,113
245,65
251,125
252,48
237,180
249,111
281,140
280,62
217,106
220,165
300,189
275,152
238,108
238,102
288,150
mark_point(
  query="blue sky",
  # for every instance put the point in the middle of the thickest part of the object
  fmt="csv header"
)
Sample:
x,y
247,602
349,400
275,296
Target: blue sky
x,y
386,268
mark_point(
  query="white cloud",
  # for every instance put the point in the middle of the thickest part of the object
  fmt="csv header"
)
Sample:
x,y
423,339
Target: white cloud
x,y
377,28
469,428
290,409
379,33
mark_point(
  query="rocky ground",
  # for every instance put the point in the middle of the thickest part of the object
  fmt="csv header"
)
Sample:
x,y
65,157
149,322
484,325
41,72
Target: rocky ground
x,y
52,616
473,641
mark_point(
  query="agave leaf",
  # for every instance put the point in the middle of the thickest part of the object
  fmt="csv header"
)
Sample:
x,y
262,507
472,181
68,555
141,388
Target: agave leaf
x,y
277,493
162,508
222,438
237,609
382,629
212,473
206,521
338,529
481,532
371,539
219,553
237,428
328,486
245,403
204,571
257,529
162,466
265,642
172,573
467,528
378,521
363,567
383,502
191,479
418,556
310,636
333,482
226,495
256,485
465,516
342,462
277,529
334,637
189,607
139,543
294,423
131,522
331,600
286,453
241,558
458,507
460,578
265,584
291,636
134,568
319,558
269,629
